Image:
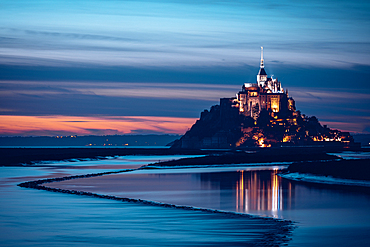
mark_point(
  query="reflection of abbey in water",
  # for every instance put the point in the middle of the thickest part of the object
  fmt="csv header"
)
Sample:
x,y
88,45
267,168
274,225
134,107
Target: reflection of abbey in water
x,y
262,114
257,192
260,194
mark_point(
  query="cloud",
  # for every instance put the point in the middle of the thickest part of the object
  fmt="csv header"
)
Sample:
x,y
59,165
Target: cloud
x,y
170,55
70,125
326,95
338,108
162,90
348,125
113,98
209,33
86,98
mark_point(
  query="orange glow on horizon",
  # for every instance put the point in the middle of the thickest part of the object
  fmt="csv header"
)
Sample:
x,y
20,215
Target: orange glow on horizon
x,y
102,125
352,127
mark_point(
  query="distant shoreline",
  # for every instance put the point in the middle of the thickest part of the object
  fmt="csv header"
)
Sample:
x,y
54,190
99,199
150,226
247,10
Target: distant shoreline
x,y
306,160
31,155
258,156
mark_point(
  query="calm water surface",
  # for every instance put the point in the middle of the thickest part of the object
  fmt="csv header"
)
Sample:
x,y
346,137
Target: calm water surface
x,y
330,216
39,218
325,216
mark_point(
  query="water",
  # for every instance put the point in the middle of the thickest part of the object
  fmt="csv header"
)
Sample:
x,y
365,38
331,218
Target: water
x,y
329,216
325,216
39,218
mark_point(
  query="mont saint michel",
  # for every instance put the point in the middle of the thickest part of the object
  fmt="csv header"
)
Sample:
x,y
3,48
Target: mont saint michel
x,y
261,114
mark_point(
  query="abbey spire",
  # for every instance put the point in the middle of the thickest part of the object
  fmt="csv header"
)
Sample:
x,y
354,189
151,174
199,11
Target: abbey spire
x,y
261,76
262,65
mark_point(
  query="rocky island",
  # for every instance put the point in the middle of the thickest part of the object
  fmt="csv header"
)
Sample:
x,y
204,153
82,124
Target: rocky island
x,y
262,114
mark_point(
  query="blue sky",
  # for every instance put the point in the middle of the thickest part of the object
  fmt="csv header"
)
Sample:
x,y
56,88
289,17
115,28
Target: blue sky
x,y
176,58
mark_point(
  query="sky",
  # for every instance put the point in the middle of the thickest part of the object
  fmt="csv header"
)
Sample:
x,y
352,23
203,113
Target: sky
x,y
93,67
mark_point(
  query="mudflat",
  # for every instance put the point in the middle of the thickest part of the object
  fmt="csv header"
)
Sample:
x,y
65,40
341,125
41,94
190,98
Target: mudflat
x,y
24,156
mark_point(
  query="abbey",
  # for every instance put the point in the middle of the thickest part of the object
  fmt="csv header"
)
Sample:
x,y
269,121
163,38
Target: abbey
x,y
267,93
261,114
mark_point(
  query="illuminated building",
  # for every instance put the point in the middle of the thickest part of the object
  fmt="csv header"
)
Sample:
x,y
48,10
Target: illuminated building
x,y
262,114
267,93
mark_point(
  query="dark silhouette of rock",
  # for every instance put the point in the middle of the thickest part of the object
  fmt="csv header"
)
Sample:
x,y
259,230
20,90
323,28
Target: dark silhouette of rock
x,y
262,114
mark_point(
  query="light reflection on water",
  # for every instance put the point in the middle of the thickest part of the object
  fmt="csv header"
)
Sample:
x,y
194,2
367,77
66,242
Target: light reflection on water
x,y
255,194
253,190
325,216
257,190
40,218
321,212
